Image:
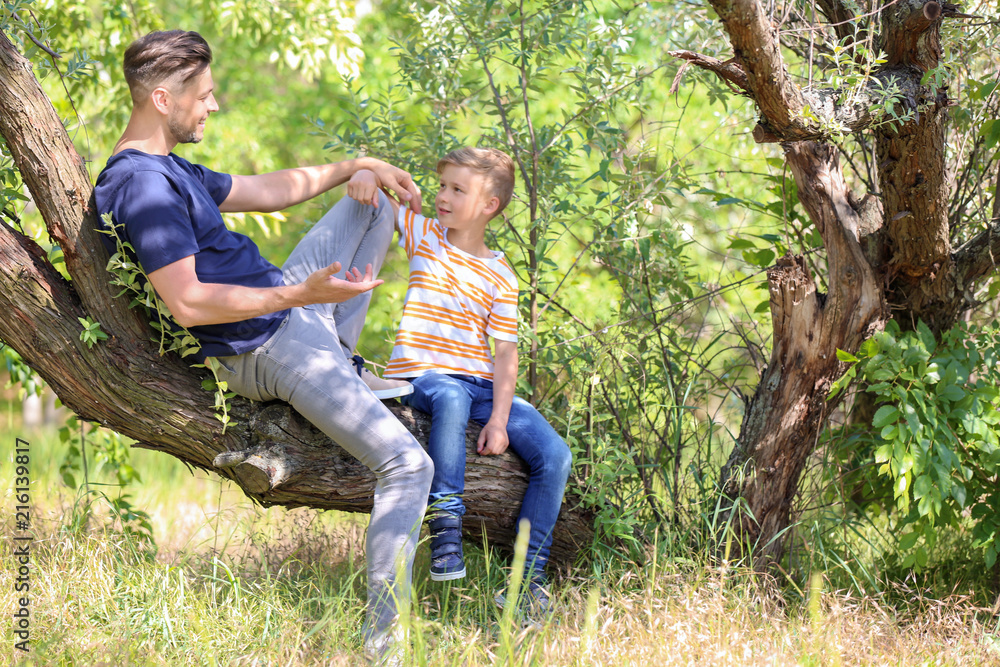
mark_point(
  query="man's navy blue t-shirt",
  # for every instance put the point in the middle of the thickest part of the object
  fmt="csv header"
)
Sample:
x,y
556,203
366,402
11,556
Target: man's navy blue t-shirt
x,y
170,210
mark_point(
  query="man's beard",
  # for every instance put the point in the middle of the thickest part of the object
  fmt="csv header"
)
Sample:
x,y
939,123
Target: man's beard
x,y
181,134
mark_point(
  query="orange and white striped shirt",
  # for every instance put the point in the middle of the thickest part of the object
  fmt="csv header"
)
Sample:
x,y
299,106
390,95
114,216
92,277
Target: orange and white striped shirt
x,y
454,300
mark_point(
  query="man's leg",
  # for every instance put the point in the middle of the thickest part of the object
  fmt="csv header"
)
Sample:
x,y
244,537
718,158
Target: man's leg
x,y
303,364
355,235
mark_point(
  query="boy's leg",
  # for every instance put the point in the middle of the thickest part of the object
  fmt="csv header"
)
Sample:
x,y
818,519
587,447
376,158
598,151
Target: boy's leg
x,y
447,401
304,365
549,460
355,235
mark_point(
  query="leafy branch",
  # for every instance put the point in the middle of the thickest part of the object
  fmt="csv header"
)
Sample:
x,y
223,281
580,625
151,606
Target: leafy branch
x,y
127,274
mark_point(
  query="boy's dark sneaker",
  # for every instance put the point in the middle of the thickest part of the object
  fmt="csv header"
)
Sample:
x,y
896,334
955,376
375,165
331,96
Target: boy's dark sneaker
x,y
447,562
535,604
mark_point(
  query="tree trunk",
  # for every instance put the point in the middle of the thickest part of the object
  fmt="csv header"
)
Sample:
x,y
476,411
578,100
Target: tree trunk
x,y
271,452
783,419
913,179
905,236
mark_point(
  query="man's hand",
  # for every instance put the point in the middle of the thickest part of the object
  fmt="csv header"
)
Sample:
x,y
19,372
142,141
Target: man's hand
x,y
363,187
492,439
398,181
322,287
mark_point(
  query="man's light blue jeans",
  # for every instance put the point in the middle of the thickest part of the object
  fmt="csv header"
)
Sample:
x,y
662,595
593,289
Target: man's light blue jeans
x,y
307,363
451,401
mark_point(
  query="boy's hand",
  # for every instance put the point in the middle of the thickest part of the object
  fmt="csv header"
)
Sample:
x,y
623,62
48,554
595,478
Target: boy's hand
x,y
492,439
363,187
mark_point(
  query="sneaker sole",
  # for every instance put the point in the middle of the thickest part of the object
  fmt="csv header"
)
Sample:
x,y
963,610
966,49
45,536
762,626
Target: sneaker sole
x,y
448,576
396,392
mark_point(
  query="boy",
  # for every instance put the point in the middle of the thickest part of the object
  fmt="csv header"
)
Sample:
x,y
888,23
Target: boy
x,y
460,292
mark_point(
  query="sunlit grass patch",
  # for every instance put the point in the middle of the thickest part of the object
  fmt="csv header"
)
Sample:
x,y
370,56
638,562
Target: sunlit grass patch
x,y
230,583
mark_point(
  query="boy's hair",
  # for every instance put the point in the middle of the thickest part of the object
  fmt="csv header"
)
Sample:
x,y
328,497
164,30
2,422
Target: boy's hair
x,y
494,164
157,57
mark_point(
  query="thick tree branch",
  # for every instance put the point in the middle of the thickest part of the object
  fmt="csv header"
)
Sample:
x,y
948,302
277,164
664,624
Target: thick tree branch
x,y
729,71
840,17
61,190
829,112
979,257
784,418
757,49
793,114
907,38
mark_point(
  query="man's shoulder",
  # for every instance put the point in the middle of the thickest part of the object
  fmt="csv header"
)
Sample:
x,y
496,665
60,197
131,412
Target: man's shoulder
x,y
132,173
130,162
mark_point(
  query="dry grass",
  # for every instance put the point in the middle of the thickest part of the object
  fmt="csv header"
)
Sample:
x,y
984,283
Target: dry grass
x,y
232,584
96,600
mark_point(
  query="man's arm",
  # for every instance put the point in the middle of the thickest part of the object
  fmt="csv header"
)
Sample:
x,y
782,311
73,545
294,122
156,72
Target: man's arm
x,y
278,190
194,303
493,438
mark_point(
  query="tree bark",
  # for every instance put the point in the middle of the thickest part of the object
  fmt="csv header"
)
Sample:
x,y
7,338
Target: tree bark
x,y
783,419
271,452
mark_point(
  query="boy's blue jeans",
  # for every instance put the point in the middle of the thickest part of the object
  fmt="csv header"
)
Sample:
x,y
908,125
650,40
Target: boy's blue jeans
x,y
452,400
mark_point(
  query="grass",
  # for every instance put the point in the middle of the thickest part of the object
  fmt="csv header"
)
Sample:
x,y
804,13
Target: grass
x,y
229,583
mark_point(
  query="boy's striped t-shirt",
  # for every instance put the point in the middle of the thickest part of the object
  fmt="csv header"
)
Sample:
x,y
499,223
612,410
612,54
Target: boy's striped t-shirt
x,y
454,301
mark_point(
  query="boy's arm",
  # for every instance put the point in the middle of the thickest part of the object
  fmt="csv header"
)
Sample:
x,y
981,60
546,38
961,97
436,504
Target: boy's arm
x,y
493,437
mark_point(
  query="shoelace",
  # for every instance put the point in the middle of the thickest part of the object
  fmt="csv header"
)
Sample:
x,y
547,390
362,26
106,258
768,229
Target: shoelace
x,y
359,363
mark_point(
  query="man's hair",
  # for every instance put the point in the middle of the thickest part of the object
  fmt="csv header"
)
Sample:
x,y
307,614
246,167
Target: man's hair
x,y
153,59
495,165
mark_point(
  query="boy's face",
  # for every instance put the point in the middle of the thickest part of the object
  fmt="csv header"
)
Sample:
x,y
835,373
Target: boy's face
x,y
461,199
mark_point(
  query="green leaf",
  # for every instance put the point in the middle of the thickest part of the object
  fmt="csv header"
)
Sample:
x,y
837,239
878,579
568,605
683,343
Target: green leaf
x,y
952,393
990,131
921,486
885,415
846,356
926,336
958,492
741,244
762,258
908,541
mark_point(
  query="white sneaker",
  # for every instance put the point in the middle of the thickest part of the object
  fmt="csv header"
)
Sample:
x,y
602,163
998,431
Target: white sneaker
x,y
381,387
387,649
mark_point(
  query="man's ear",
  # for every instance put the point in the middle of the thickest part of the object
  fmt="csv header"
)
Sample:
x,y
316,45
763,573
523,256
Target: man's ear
x,y
160,99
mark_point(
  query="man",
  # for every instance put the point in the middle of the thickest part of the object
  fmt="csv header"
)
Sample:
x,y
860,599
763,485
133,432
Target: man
x,y
277,333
